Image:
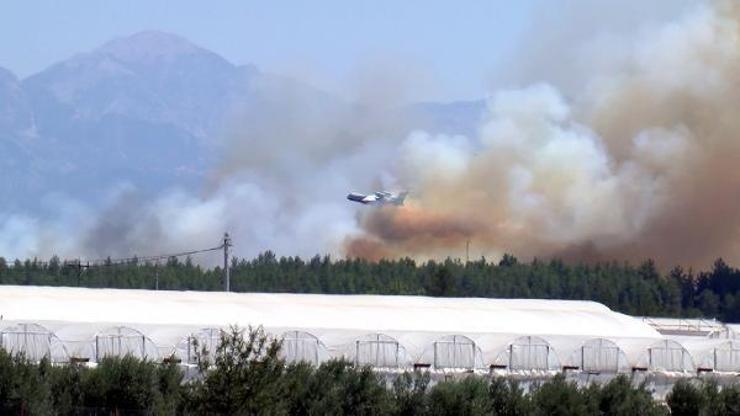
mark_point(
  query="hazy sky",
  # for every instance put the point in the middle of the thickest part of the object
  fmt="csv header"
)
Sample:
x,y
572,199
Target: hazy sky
x,y
441,49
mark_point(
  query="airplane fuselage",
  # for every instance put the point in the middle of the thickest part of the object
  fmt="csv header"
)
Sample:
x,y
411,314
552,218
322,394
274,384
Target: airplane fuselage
x,y
377,198
363,199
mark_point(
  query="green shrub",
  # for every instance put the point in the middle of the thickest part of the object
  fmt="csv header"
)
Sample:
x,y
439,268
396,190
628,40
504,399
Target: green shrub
x,y
246,376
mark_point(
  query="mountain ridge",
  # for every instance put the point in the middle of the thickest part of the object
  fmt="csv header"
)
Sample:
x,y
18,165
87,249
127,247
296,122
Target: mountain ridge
x,y
146,109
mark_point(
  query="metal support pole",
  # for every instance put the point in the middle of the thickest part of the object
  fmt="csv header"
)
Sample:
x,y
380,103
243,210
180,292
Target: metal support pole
x,y
227,272
511,357
583,358
377,352
436,365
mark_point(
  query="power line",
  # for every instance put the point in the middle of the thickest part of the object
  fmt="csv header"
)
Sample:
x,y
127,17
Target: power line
x,y
145,259
123,260
88,264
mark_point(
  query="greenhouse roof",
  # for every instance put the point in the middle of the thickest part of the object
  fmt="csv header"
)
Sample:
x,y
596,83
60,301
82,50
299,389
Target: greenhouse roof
x,y
383,331
366,313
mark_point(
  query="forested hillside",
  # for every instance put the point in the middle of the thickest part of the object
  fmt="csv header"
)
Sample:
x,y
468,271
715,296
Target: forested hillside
x,y
635,290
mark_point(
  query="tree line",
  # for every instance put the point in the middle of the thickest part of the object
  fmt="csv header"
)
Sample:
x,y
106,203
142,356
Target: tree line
x,y
633,289
246,376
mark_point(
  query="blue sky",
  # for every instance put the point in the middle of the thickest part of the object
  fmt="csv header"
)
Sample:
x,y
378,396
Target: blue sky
x,y
447,49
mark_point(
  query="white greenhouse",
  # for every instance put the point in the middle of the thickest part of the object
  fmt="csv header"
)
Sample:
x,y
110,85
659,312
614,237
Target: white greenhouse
x,y
520,336
204,341
303,346
33,340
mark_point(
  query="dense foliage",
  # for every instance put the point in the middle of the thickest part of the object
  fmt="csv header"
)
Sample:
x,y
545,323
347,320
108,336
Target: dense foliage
x,y
636,290
126,384
246,376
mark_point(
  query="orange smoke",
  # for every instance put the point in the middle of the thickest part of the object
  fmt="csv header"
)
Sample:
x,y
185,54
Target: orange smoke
x,y
408,229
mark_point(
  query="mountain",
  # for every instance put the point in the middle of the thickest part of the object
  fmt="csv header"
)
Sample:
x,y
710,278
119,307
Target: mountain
x,y
16,116
140,109
149,110
17,130
150,77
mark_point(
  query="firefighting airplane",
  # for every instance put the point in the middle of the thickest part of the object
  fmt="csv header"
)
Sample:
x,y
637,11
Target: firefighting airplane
x,y
378,198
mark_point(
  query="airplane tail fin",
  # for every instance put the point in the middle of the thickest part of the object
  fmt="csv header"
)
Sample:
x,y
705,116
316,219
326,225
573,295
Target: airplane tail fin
x,y
401,197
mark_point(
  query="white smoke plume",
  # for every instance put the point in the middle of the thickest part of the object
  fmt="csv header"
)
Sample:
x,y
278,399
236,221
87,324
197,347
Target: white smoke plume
x,y
637,164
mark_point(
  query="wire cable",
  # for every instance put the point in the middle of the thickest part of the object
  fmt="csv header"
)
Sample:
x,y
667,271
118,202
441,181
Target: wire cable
x,y
119,261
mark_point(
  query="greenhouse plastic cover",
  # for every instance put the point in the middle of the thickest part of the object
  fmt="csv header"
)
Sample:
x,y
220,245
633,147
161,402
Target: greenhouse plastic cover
x,y
384,331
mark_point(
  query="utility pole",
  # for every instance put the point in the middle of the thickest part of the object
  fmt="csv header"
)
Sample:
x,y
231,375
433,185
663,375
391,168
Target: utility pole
x,y
156,276
227,274
79,266
467,251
